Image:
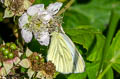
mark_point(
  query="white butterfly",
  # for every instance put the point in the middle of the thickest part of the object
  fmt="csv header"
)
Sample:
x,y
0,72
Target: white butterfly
x,y
63,53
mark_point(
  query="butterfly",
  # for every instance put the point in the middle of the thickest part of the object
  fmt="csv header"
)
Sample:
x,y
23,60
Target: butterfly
x,y
63,53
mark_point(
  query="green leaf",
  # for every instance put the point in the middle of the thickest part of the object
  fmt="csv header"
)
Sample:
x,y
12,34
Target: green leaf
x,y
96,13
116,67
91,69
34,46
46,2
1,16
115,52
109,74
90,38
60,76
74,18
77,76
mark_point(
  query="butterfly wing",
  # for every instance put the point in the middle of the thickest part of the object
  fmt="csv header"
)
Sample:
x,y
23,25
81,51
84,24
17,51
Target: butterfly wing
x,y
64,55
78,62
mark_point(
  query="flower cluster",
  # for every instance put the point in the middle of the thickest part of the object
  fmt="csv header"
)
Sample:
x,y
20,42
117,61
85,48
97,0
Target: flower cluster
x,y
32,62
9,58
36,65
15,7
37,21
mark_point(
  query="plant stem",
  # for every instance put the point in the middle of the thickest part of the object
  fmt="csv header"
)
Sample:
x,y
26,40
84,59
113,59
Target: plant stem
x,y
113,24
106,69
65,8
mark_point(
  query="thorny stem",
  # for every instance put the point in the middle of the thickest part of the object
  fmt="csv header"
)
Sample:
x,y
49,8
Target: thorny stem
x,y
65,8
113,24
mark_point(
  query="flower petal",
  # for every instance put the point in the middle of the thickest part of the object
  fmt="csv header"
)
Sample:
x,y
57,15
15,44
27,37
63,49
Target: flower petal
x,y
32,10
26,4
35,9
30,73
40,7
2,72
8,65
46,17
27,35
23,20
40,75
43,38
54,8
16,60
8,13
28,52
25,63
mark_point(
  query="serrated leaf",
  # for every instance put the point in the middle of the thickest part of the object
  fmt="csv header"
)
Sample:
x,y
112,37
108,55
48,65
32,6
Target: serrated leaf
x,y
74,18
90,38
81,34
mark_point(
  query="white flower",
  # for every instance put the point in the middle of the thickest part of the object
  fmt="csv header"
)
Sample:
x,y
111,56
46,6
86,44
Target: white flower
x,y
47,14
44,16
27,35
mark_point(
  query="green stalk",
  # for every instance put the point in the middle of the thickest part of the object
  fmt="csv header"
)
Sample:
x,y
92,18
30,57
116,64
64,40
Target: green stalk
x,y
106,69
113,24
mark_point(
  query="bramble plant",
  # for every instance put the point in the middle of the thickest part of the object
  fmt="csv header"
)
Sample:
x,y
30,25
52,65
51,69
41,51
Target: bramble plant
x,y
59,39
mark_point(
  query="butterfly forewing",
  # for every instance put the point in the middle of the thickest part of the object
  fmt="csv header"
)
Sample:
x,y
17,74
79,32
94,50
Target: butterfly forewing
x,y
78,61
